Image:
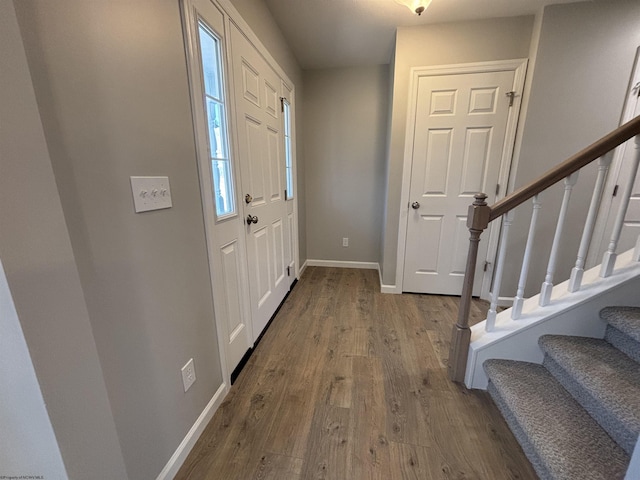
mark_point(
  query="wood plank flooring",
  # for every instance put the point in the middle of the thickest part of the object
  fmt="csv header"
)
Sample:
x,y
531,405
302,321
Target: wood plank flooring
x,y
351,384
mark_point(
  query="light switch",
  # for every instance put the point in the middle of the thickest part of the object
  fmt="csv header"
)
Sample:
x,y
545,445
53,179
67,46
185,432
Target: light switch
x,y
150,193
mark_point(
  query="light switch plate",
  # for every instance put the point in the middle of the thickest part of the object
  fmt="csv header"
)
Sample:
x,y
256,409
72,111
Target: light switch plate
x,y
150,193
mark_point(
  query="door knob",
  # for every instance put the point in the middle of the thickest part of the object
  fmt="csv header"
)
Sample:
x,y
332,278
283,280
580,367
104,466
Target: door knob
x,y
248,198
415,205
251,219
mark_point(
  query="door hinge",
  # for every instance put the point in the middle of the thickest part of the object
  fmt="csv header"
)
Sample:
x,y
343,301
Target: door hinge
x,y
615,191
486,266
511,96
282,104
497,189
288,271
286,197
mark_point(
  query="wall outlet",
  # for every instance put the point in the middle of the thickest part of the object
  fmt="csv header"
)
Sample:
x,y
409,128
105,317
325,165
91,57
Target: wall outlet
x,y
345,241
188,375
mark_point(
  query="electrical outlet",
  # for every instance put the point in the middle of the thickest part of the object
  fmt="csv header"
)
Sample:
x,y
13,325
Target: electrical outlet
x,y
188,375
345,241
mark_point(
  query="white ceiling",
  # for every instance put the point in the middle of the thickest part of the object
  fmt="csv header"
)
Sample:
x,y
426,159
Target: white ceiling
x,y
335,33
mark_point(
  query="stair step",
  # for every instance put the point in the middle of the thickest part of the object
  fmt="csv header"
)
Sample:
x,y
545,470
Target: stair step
x,y
623,331
605,381
561,440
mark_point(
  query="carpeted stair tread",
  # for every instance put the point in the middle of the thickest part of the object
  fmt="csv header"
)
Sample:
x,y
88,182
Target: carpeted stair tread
x,y
623,331
605,381
625,319
562,441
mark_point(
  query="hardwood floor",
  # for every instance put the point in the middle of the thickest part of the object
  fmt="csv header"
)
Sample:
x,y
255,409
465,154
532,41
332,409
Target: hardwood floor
x,y
351,384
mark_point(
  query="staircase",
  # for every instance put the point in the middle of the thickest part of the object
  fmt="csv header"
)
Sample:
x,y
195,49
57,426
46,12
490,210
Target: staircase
x,y
576,416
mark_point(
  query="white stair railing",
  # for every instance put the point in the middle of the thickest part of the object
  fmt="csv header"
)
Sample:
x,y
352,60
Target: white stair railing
x,y
497,279
575,280
609,259
516,310
480,215
547,285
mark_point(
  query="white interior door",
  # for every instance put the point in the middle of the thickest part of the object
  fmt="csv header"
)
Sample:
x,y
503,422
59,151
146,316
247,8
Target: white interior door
x,y
259,128
458,143
218,173
631,226
618,175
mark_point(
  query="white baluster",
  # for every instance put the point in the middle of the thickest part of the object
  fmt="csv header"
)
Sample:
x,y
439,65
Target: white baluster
x,y
547,285
578,271
497,281
609,259
516,311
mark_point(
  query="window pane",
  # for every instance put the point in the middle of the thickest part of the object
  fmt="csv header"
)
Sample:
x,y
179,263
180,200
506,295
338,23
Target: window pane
x,y
287,149
222,191
221,167
215,118
210,62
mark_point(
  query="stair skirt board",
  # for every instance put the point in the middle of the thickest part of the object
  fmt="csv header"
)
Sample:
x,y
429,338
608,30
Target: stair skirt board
x,y
568,314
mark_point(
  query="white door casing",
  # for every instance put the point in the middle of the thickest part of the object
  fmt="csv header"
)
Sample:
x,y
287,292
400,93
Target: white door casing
x,y
460,137
618,175
258,119
225,237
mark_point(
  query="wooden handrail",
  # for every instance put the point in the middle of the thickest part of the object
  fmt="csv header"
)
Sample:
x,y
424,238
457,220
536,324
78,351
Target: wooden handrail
x,y
566,168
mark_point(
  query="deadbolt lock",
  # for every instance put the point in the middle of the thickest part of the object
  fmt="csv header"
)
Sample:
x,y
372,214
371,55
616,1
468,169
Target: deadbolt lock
x,y
248,198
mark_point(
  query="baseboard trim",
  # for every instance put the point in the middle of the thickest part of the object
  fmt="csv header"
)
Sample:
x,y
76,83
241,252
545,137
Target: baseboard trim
x,y
387,288
342,264
302,269
505,301
170,470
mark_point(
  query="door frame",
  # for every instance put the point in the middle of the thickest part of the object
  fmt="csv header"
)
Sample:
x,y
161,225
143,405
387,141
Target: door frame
x,y
231,15
599,239
519,67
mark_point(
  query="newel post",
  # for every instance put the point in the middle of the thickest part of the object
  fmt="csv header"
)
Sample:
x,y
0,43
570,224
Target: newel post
x,y
477,221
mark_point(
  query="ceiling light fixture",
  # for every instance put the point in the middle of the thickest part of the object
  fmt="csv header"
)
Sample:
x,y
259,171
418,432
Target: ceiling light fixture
x,y
416,6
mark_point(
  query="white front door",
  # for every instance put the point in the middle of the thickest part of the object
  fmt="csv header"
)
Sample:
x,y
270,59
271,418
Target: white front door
x,y
458,145
218,174
260,143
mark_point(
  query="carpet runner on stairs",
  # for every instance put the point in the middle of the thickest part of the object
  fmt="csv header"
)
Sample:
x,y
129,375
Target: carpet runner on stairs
x,y
577,416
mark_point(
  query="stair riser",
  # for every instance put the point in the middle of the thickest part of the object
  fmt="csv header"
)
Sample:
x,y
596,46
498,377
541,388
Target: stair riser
x,y
616,430
623,342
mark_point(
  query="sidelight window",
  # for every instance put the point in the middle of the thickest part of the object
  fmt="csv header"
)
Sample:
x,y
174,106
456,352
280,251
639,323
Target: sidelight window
x,y
218,144
286,108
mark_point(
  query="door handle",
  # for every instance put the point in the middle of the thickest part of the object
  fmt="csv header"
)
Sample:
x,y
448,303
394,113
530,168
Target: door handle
x,y
251,219
415,205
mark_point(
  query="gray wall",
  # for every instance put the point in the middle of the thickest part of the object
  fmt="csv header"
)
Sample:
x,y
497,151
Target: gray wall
x,y
584,62
42,276
111,83
441,44
259,18
345,113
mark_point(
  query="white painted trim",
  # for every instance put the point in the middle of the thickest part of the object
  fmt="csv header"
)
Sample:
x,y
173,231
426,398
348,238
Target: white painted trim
x,y
302,269
519,66
545,319
343,264
387,288
505,301
180,455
